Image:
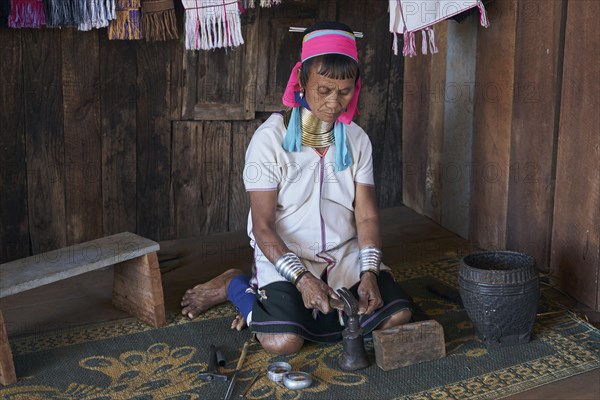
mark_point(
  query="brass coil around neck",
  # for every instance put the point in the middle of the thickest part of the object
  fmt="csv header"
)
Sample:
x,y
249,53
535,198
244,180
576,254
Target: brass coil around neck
x,y
315,132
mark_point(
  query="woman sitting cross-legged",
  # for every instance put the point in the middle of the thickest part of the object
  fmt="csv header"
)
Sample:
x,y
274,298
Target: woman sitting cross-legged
x,y
313,222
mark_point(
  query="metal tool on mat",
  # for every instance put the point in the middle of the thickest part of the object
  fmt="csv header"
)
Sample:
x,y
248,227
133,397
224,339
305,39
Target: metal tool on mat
x,y
221,361
211,372
237,368
243,395
353,355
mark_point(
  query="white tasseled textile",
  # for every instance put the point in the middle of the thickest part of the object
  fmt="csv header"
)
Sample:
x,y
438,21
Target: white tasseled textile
x,y
212,24
410,16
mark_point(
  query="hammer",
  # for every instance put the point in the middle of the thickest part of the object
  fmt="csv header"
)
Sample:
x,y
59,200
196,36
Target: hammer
x,y
211,372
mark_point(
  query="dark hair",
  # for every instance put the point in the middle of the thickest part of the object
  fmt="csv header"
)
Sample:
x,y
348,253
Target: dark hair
x,y
335,66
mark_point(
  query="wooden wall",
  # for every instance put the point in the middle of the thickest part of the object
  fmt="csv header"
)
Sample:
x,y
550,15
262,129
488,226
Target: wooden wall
x,y
99,136
575,242
513,111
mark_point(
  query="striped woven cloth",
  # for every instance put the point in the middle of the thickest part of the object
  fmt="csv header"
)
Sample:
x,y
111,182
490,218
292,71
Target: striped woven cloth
x,y
128,24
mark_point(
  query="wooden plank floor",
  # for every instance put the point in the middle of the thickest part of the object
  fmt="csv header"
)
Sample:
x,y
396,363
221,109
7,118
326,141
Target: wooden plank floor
x,y
86,298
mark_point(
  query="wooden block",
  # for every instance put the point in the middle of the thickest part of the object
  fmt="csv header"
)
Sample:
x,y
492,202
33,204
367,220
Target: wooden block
x,y
137,289
409,344
7,368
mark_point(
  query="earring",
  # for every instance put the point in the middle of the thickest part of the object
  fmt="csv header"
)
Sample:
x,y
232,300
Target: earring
x,y
301,93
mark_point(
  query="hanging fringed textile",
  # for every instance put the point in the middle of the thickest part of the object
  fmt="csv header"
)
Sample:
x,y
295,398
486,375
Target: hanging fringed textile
x,y
158,20
407,17
96,14
59,13
26,14
262,3
212,24
127,25
4,12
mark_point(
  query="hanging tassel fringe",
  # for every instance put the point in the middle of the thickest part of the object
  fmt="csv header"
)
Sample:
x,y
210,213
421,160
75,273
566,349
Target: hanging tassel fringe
x,y
59,13
483,19
97,14
427,39
409,49
263,3
27,14
79,12
159,20
84,15
395,44
212,24
127,24
432,46
269,3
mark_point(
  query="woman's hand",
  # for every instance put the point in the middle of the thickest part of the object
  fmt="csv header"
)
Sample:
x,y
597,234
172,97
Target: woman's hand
x,y
315,293
369,298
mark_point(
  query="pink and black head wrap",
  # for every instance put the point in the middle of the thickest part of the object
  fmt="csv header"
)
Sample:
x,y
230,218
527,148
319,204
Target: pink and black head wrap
x,y
318,42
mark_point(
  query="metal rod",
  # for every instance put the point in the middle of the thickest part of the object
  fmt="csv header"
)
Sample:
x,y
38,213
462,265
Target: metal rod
x,y
243,395
301,30
237,368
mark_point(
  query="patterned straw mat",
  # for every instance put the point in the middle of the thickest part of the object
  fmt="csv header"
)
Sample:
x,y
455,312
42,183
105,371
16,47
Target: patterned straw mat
x,y
126,359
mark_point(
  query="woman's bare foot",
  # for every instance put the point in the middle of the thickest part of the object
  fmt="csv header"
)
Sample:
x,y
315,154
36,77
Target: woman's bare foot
x,y
206,295
238,323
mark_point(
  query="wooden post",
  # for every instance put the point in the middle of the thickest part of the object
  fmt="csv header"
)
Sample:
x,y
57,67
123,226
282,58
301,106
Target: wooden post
x,y
408,344
137,289
537,83
492,127
7,368
575,262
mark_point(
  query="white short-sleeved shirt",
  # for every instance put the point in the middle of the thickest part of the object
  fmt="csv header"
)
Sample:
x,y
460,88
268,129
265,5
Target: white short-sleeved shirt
x,y
315,204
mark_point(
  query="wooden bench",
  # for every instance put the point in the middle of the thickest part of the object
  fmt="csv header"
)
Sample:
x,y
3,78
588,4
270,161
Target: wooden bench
x,y
137,287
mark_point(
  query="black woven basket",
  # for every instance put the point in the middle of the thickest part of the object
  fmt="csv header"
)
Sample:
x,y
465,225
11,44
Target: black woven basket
x,y
500,291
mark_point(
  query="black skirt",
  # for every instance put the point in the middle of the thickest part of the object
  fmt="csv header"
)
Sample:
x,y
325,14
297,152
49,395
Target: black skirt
x,y
283,311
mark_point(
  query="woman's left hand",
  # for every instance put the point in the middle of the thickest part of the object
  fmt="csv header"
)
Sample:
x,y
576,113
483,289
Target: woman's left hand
x,y
369,298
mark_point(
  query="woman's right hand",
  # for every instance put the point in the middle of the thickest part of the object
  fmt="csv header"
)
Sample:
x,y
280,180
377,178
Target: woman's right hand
x,y
315,293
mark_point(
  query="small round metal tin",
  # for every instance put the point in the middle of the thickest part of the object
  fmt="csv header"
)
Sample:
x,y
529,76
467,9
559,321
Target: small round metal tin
x,y
297,380
276,370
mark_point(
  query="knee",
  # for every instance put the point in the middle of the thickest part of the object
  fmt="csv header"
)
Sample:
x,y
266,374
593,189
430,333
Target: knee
x,y
399,318
280,344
